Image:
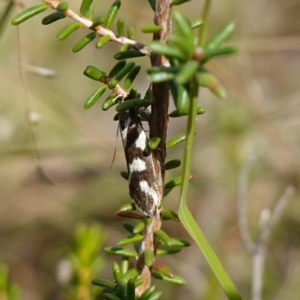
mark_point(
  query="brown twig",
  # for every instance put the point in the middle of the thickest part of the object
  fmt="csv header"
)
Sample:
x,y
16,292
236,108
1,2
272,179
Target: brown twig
x,y
158,128
99,29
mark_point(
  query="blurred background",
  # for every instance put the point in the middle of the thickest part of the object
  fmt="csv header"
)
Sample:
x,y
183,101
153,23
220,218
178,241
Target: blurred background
x,y
60,176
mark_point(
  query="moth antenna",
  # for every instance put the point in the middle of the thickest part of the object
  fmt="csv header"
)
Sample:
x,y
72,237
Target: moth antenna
x,y
115,151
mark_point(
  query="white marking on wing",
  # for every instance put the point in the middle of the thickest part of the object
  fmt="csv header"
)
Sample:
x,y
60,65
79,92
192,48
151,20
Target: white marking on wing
x,y
124,131
137,165
149,191
141,140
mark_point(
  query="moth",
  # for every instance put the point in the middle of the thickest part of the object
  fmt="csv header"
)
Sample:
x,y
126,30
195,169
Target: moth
x,y
142,181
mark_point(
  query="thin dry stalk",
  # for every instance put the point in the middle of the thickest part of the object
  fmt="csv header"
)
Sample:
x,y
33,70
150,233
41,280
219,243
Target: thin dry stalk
x,y
267,223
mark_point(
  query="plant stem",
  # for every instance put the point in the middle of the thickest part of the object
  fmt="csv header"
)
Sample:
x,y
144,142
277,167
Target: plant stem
x,y
203,28
184,214
189,143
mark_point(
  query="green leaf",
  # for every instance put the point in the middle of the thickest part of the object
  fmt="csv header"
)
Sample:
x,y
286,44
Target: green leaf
x,y
187,72
150,28
116,271
62,7
149,93
176,114
134,103
120,27
149,257
128,207
179,138
90,12
110,101
130,32
171,184
181,43
184,26
163,49
154,142
152,4
125,70
155,296
138,281
163,74
125,47
108,291
84,41
196,23
128,54
207,79
28,13
190,224
130,214
148,292
221,37
124,265
161,77
98,21
112,13
173,87
116,116
103,283
175,279
109,296
162,268
130,239
171,70
124,174
162,235
131,76
130,290
174,182
141,225
179,243
128,226
117,68
94,97
94,73
103,41
121,289
133,94
181,99
130,274
66,31
121,251
85,7
178,2
209,53
113,83
53,18
168,214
